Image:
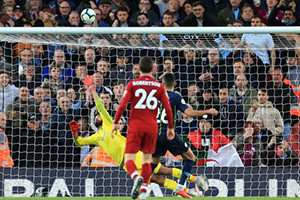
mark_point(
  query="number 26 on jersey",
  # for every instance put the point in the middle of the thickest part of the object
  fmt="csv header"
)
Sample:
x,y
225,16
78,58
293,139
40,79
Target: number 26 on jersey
x,y
146,101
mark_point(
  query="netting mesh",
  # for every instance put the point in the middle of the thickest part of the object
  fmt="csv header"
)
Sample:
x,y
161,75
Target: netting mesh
x,y
252,80
169,41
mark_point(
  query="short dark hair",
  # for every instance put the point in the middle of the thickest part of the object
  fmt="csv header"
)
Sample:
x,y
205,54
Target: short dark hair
x,y
289,9
167,12
240,74
146,64
121,8
237,60
198,3
118,83
5,72
264,90
256,17
105,92
141,13
277,68
169,80
80,64
103,59
237,21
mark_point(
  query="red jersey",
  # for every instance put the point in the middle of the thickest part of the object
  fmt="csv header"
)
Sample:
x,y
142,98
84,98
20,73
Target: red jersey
x,y
144,94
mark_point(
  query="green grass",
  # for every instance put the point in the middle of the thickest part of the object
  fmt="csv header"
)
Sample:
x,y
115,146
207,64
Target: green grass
x,y
151,198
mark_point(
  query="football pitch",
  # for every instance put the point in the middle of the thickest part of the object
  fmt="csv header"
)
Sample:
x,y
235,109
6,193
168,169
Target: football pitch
x,y
151,198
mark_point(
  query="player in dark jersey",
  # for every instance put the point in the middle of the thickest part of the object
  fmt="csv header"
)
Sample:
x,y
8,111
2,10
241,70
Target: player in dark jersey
x,y
176,146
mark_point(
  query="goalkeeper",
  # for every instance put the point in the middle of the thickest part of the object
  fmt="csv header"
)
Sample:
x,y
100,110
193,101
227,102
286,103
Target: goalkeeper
x,y
115,147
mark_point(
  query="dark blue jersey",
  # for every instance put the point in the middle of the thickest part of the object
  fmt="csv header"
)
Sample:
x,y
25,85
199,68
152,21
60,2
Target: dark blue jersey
x,y
177,103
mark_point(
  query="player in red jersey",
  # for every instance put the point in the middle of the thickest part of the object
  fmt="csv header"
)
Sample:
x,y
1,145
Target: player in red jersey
x,y
144,94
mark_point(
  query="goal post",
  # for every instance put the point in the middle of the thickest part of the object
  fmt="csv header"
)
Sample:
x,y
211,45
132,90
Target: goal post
x,y
230,69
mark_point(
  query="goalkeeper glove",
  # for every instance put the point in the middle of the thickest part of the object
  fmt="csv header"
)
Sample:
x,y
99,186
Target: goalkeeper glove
x,y
89,83
74,126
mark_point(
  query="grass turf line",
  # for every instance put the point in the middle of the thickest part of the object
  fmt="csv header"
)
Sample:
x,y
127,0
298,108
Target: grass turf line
x,y
150,198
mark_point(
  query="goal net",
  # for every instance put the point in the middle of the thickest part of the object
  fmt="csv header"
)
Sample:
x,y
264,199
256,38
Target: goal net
x,y
251,79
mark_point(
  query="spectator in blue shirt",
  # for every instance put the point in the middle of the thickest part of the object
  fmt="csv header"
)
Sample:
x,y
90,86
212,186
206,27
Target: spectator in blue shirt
x,y
67,72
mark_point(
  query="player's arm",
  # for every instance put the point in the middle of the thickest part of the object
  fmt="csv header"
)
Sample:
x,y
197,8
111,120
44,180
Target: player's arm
x,y
101,109
197,113
184,108
89,83
165,101
126,98
79,141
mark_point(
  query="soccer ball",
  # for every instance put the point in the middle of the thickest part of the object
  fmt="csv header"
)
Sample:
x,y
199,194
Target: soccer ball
x,y
41,192
88,15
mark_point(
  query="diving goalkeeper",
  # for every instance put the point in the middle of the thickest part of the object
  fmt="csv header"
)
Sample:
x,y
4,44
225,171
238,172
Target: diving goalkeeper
x,y
115,147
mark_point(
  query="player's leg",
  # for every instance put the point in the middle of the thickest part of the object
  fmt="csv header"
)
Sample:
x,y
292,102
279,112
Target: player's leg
x,y
201,182
148,146
174,172
178,147
133,172
154,178
130,165
133,143
146,173
146,168
170,184
188,165
159,179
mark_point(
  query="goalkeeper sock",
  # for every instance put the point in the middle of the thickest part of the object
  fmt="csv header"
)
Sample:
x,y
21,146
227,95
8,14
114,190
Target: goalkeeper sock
x,y
131,169
146,172
170,184
187,168
192,178
176,173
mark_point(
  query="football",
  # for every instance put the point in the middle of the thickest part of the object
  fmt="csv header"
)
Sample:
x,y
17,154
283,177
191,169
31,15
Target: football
x,y
88,16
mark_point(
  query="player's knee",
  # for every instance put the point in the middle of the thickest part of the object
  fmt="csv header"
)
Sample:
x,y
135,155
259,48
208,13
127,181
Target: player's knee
x,y
146,158
189,155
164,170
129,156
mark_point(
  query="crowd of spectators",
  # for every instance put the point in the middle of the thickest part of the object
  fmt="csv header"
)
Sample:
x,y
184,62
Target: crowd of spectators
x,y
142,13
253,85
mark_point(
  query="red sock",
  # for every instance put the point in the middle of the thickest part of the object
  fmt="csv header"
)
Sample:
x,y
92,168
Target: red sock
x,y
146,172
131,169
143,188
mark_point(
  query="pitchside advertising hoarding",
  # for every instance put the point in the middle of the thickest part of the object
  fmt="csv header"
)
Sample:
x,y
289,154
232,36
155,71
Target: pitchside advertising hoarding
x,y
238,182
